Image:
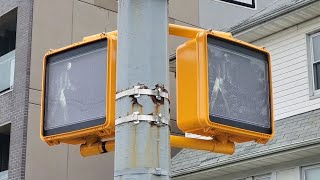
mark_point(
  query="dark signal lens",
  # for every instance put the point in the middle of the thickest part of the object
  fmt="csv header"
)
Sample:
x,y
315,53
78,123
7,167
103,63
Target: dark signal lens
x,y
238,86
75,95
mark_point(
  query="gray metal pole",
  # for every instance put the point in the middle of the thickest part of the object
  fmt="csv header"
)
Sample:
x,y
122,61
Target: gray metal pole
x,y
142,139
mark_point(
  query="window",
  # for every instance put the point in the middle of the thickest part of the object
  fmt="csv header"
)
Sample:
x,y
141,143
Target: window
x,y
315,62
4,151
8,24
311,172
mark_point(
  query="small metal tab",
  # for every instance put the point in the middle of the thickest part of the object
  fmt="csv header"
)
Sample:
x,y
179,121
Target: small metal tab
x,y
158,119
136,91
135,117
157,92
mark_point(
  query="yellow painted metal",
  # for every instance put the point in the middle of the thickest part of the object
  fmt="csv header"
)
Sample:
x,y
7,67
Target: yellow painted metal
x,y
192,97
98,36
95,147
107,129
183,31
190,32
218,145
114,33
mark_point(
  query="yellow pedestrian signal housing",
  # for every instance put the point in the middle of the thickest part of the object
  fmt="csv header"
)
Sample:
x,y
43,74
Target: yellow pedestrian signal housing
x,y
78,91
224,88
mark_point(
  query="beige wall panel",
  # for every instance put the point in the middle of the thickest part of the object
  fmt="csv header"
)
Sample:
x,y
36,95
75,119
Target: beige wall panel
x,y
189,13
173,43
95,167
52,27
87,20
34,96
186,11
107,4
112,21
43,162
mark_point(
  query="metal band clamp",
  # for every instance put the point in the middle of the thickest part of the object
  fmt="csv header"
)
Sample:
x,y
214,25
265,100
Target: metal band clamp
x,y
136,118
154,171
136,91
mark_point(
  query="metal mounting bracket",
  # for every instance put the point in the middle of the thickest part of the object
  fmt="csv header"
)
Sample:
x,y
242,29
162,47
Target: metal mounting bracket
x,y
136,118
154,171
136,91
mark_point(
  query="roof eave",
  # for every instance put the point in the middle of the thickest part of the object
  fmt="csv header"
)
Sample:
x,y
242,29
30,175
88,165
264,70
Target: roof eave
x,y
249,157
269,17
264,28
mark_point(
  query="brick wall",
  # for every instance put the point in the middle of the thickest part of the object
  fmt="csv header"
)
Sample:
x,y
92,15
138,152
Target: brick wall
x,y
14,105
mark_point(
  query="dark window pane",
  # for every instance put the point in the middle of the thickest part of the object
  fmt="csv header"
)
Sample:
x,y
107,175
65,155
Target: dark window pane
x,y
8,24
316,71
4,152
238,84
4,147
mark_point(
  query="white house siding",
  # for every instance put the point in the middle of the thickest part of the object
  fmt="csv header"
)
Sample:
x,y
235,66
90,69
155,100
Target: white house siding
x,y
288,49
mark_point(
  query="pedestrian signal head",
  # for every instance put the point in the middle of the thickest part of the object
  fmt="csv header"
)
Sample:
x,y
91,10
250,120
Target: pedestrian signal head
x,y
224,88
78,91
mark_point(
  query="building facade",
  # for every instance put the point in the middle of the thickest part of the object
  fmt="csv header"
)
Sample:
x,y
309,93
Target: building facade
x,y
62,22
290,31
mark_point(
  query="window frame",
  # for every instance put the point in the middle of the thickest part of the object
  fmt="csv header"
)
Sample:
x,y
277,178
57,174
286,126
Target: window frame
x,y
303,170
313,92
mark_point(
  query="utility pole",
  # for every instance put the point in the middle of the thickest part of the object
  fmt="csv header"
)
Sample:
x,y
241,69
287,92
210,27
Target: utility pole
x,y
142,136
